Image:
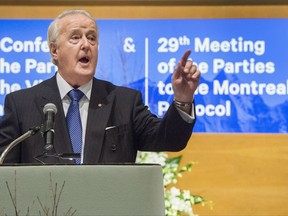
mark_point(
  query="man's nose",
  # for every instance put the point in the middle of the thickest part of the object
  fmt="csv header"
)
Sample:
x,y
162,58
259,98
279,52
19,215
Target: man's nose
x,y
84,43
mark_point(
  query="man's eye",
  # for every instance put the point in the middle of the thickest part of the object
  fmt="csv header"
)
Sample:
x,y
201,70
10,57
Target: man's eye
x,y
75,37
91,38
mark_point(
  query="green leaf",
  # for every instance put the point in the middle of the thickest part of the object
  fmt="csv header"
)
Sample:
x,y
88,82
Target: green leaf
x,y
174,160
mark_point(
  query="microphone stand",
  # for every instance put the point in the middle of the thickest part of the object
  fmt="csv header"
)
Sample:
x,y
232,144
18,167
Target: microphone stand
x,y
26,135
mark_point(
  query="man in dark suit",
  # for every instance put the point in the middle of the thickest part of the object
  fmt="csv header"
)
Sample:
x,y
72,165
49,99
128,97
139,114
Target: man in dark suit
x,y
115,122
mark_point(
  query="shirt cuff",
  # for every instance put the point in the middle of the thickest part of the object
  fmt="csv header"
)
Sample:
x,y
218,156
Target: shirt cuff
x,y
186,117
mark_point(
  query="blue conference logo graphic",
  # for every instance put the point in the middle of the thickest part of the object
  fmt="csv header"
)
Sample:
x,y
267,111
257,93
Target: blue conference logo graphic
x,y
244,82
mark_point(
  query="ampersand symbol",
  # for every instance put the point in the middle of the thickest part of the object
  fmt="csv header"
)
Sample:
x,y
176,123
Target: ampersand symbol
x,y
128,45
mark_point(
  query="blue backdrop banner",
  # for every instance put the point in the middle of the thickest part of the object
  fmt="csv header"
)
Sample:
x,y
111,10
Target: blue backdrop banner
x,y
244,83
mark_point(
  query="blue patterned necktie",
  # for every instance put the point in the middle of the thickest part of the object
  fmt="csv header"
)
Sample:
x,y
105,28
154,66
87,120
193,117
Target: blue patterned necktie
x,y
73,121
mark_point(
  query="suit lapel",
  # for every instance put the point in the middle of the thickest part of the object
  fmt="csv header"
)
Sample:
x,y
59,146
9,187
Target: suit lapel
x,y
98,116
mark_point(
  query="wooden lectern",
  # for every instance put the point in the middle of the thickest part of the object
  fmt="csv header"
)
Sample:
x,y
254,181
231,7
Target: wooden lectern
x,y
106,190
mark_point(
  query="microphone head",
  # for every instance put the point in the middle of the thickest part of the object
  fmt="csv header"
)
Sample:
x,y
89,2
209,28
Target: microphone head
x,y
50,107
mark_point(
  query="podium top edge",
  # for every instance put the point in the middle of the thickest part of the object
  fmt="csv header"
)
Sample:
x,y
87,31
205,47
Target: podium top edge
x,y
82,165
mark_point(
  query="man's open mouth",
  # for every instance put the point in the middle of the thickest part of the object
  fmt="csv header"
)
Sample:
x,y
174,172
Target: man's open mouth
x,y
84,60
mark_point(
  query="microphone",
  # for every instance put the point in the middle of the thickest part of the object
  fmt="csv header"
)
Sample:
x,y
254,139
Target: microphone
x,y
49,111
23,137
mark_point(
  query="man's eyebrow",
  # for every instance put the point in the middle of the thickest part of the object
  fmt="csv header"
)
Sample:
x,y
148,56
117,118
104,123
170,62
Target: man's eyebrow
x,y
92,31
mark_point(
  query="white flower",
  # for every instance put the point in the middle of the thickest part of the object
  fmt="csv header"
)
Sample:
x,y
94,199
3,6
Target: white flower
x,y
168,178
175,192
186,194
151,157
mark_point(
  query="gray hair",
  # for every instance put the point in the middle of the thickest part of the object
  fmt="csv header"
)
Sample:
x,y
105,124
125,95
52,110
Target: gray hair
x,y
52,34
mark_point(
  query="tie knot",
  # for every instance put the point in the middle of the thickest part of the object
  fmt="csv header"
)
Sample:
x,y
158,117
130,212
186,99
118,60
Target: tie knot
x,y
75,94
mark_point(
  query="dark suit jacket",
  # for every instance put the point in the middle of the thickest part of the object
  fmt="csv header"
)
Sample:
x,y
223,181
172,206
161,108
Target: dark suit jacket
x,y
135,127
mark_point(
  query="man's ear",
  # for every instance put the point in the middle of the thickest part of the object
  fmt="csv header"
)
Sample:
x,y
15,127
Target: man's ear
x,y
53,51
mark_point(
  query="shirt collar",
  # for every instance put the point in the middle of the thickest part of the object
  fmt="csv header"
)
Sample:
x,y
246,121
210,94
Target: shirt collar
x,y
64,87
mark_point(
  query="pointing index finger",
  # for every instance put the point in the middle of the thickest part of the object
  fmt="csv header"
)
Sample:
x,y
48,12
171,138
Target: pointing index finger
x,y
185,57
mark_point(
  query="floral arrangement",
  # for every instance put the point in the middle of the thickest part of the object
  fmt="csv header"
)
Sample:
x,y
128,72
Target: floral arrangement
x,y
178,202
